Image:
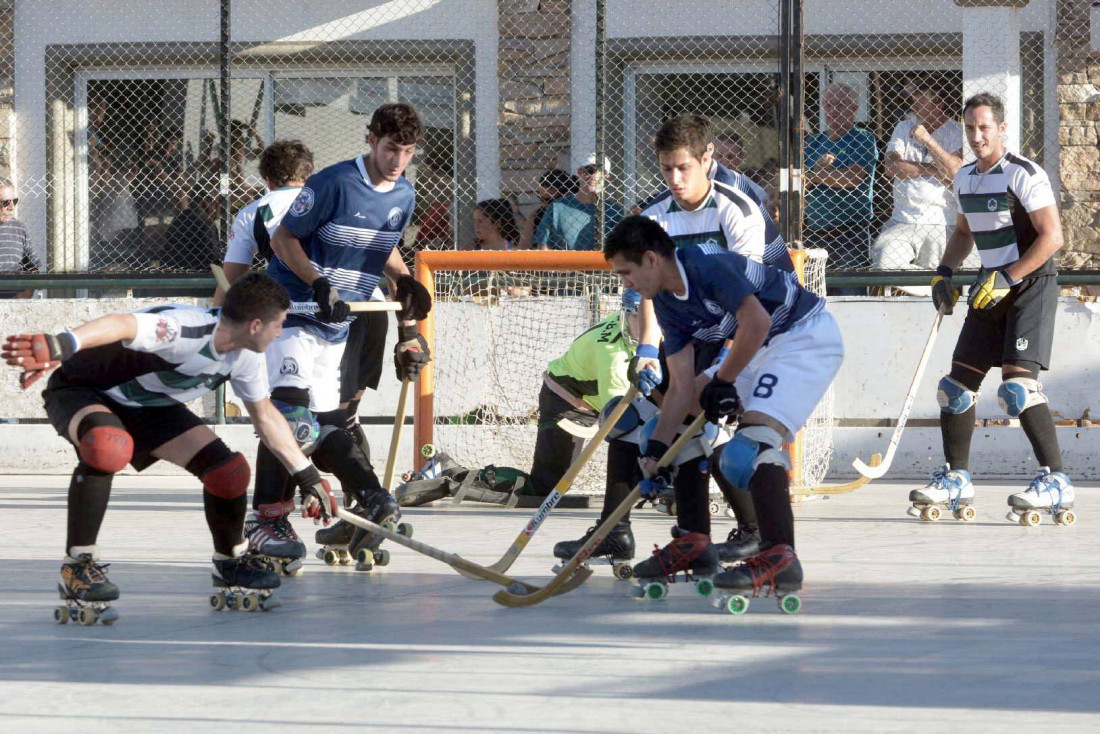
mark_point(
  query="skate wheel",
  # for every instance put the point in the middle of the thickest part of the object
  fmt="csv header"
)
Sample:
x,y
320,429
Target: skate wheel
x,y
405,529
108,617
234,602
250,603
86,617
365,557
217,601
790,604
331,558
382,557
622,571
715,509
427,451
655,590
965,513
390,525
704,587
61,615
930,513
1031,519
1066,517
737,604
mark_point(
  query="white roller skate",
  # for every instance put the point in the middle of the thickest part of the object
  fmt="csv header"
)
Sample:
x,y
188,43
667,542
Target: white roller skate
x,y
1049,492
948,489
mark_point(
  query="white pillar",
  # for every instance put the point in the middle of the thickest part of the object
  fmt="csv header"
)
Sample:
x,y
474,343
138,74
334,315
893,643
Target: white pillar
x,y
991,60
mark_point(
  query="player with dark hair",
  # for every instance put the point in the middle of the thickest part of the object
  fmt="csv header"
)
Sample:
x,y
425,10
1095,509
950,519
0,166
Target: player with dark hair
x,y
120,398
1008,210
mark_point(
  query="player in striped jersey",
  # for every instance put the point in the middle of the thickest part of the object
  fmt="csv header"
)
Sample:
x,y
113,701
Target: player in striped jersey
x,y
786,349
1006,209
120,398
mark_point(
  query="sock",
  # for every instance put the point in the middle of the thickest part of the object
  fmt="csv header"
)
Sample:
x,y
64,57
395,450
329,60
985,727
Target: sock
x,y
272,480
623,473
770,487
739,501
225,518
1038,425
692,484
89,492
957,429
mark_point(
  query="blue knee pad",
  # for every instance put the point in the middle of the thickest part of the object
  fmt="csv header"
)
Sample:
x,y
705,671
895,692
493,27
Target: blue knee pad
x,y
637,413
750,447
954,397
294,405
1017,394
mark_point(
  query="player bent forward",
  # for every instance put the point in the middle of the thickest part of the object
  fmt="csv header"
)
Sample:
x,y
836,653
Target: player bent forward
x,y
786,349
1007,209
120,398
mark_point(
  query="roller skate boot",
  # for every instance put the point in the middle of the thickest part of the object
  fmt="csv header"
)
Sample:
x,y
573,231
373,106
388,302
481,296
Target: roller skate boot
x,y
689,557
344,542
271,537
1049,492
776,570
948,489
617,547
85,589
245,581
742,542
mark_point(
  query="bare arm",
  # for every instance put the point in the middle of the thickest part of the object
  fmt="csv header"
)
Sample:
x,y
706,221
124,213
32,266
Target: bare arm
x,y
394,268
233,273
290,251
959,244
947,164
897,168
274,431
1049,241
106,330
845,177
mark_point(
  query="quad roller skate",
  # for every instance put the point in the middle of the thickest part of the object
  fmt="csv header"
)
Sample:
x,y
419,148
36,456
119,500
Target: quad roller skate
x,y
617,548
689,557
718,505
246,582
85,590
272,538
343,541
1049,492
948,489
775,571
742,542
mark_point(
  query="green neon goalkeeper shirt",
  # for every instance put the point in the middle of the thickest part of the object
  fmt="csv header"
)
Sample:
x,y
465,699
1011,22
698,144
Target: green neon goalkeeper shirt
x,y
595,367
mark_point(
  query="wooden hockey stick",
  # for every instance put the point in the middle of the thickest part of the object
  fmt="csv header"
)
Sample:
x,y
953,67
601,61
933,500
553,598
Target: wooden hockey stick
x,y
395,437
454,561
310,306
219,277
508,596
837,488
876,472
564,484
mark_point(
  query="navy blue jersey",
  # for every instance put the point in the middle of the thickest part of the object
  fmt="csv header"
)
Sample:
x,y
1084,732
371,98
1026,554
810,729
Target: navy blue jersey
x,y
347,227
717,282
775,247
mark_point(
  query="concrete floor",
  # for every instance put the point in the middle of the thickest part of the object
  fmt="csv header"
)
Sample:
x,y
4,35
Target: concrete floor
x,y
906,626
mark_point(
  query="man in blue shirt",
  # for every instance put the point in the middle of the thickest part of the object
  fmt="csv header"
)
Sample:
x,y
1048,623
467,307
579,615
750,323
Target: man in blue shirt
x,y
786,350
840,173
570,222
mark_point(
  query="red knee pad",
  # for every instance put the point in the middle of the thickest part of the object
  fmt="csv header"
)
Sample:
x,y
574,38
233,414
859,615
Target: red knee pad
x,y
104,443
228,480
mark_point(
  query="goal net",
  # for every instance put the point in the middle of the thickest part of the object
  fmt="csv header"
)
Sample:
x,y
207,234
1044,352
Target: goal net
x,y
498,319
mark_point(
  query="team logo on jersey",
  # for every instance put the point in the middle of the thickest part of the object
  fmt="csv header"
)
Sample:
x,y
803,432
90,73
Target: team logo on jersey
x,y
713,307
991,205
1021,344
303,203
166,331
393,219
290,366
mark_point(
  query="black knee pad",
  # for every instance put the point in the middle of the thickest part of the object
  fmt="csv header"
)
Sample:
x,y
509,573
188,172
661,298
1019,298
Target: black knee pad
x,y
338,454
103,443
223,472
298,396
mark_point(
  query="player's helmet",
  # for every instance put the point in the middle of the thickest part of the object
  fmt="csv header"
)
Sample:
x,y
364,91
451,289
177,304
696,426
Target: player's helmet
x,y
631,302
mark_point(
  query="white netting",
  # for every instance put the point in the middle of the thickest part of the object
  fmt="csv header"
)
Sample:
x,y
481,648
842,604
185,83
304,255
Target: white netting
x,y
815,440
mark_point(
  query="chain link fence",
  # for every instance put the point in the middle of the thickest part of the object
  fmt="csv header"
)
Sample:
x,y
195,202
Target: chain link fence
x,y
125,155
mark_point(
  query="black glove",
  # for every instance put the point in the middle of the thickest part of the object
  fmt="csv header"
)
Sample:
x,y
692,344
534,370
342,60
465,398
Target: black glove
x,y
415,300
718,399
333,310
318,501
410,354
944,294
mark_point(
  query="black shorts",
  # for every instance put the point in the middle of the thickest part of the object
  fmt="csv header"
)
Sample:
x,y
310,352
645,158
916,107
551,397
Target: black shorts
x,y
150,427
705,354
1017,330
361,366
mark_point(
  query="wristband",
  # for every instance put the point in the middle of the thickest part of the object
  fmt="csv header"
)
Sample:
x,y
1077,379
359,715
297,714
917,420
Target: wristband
x,y
407,333
74,342
945,272
307,476
646,351
296,470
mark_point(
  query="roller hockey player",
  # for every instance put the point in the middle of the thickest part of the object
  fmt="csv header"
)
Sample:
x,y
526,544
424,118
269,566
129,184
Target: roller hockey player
x,y
1008,210
785,351
119,397
334,245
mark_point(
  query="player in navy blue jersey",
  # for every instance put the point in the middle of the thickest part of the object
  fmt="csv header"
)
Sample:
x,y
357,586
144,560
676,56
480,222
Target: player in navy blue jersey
x,y
336,242
785,350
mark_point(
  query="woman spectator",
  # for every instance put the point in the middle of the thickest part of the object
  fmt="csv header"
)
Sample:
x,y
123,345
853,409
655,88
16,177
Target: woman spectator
x,y
495,225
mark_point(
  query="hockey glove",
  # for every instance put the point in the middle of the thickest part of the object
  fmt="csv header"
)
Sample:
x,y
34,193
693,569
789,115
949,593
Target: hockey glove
x,y
318,501
410,354
414,298
991,288
37,354
944,293
720,399
645,369
651,487
333,310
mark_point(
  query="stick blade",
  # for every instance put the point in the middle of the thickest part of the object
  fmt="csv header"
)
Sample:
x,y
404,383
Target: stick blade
x,y
875,470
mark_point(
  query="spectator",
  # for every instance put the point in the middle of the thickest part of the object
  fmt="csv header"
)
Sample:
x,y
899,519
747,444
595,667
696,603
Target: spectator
x,y
922,157
569,222
554,184
118,241
434,194
729,149
16,253
495,225
192,242
840,171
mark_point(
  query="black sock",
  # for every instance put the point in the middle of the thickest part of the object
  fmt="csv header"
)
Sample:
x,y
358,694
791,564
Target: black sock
x,y
740,501
692,486
770,486
623,473
225,518
272,479
89,492
957,429
1038,425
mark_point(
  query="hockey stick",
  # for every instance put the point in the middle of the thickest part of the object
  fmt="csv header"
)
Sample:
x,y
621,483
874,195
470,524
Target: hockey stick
x,y
395,437
454,561
563,485
837,488
875,472
507,597
219,277
309,306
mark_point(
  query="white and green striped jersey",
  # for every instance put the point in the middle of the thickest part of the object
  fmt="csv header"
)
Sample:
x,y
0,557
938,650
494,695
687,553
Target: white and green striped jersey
x,y
256,222
996,204
727,217
171,361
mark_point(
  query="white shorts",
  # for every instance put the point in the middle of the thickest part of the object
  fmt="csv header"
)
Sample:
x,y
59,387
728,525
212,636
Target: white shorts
x,y
300,359
788,377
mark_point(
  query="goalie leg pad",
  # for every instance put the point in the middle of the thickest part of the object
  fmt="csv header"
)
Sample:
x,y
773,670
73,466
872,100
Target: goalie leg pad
x,y
954,397
1017,394
293,403
224,473
635,416
751,447
104,443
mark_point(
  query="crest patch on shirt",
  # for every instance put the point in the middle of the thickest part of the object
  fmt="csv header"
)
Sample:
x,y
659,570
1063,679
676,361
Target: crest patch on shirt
x,y
166,331
303,203
393,219
714,308
290,366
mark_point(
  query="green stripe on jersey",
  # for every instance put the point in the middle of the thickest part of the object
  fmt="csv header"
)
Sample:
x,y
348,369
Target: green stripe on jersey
x,y
993,240
701,238
983,203
673,207
135,393
178,381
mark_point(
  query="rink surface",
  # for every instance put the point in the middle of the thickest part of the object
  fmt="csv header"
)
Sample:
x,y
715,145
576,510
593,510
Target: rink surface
x,y
905,626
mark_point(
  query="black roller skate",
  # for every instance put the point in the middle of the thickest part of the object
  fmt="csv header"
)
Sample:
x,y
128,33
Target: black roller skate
x,y
247,582
85,589
272,538
689,557
617,547
742,542
776,570
344,541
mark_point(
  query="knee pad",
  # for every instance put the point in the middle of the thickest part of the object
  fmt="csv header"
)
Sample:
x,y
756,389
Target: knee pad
x,y
1017,394
751,447
103,442
702,444
223,473
626,428
293,403
954,397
